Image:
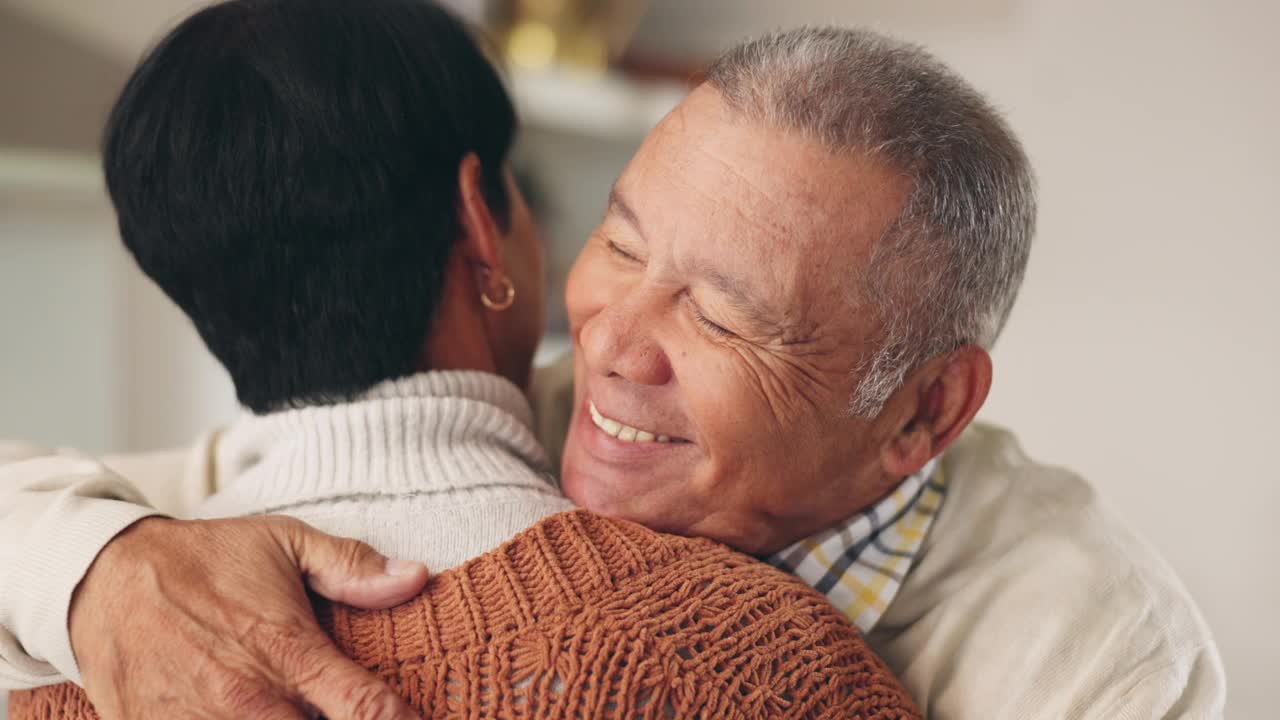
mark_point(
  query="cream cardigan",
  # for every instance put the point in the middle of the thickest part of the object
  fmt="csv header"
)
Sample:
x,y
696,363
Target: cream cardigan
x,y
1029,599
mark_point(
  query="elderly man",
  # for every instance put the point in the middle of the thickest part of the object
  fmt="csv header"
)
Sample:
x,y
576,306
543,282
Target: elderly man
x,y
780,326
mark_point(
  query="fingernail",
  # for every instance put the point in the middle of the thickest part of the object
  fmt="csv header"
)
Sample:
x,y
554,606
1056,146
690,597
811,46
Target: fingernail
x,y
396,568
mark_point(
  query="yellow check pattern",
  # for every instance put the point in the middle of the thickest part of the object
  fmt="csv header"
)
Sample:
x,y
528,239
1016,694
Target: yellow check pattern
x,y
861,563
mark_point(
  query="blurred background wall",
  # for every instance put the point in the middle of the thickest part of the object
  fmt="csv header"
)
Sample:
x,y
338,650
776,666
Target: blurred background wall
x,y
1144,350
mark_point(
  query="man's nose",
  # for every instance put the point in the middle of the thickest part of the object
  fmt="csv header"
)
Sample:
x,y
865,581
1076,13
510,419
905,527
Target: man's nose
x,y
618,341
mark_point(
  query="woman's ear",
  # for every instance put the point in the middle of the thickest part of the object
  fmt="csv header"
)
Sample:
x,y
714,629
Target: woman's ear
x,y
948,392
480,240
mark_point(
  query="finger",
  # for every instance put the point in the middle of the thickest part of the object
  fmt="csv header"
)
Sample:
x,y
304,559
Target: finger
x,y
349,571
254,699
342,690
282,711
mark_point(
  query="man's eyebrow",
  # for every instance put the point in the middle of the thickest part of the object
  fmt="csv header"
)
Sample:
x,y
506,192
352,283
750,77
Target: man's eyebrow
x,y
757,311
618,205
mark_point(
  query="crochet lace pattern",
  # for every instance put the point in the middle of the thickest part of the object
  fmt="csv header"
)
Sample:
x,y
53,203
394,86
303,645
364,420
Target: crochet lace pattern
x,y
586,617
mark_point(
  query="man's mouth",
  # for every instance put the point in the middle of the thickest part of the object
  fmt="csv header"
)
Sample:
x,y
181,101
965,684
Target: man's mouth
x,y
627,433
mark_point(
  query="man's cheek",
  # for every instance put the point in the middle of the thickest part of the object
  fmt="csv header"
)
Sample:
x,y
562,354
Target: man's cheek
x,y
727,446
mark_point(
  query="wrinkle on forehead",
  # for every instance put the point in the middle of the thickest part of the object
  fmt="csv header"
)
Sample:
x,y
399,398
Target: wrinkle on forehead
x,y
773,209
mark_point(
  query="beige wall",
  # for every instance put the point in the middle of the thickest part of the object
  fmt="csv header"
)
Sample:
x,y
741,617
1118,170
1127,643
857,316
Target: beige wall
x,y
54,91
60,357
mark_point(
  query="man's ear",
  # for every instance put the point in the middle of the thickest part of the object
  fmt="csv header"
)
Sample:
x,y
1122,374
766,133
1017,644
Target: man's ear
x,y
480,241
947,391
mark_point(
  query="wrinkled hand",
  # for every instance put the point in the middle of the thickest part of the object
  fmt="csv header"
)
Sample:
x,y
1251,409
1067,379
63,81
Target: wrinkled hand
x,y
211,619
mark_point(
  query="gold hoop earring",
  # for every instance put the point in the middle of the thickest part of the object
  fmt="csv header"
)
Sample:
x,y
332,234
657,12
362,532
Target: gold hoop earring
x,y
508,298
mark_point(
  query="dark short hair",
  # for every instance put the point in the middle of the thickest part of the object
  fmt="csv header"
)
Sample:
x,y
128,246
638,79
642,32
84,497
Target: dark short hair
x,y
286,171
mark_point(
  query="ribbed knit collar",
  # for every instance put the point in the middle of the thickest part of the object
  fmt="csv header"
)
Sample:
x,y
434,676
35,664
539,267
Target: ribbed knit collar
x,y
432,432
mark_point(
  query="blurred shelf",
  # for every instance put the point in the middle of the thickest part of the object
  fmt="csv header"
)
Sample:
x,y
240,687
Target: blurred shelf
x,y
608,106
26,169
49,184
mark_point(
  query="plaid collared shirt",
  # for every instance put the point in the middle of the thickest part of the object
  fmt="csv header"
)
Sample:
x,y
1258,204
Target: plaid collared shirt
x,y
860,563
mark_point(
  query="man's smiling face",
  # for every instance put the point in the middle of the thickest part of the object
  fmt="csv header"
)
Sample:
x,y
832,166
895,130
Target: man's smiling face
x,y
718,306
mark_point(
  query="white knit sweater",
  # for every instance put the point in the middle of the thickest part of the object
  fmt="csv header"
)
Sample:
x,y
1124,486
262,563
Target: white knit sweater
x,y
439,467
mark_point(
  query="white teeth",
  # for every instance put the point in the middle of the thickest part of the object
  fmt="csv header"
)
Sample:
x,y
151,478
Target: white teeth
x,y
625,433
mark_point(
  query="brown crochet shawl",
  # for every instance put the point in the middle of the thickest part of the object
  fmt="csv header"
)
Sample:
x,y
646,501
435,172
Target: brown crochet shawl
x,y
585,617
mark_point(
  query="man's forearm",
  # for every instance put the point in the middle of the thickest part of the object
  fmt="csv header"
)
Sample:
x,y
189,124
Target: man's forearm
x,y
57,511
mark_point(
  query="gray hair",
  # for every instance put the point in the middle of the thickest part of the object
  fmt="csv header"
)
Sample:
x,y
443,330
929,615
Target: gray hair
x,y
948,270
